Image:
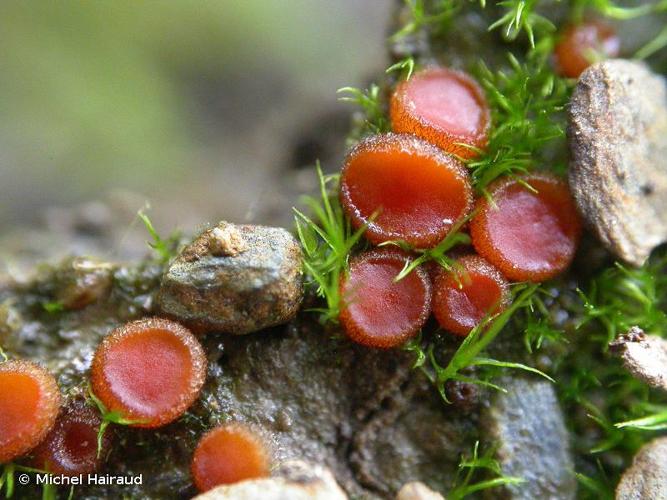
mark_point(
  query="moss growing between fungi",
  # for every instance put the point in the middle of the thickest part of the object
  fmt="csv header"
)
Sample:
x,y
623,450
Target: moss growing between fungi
x,y
445,107
377,310
149,371
228,454
529,229
525,131
71,446
29,404
471,292
403,188
583,44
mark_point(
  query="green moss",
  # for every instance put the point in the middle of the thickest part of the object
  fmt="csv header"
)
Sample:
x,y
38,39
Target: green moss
x,y
474,472
164,248
327,240
612,414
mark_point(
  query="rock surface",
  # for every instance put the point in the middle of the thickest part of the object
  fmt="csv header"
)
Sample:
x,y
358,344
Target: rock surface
x,y
527,425
294,480
234,279
646,478
645,356
618,141
364,414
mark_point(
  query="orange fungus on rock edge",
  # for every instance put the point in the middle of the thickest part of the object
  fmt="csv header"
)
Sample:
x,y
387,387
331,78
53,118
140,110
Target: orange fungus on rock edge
x,y
29,404
404,188
228,454
464,297
443,106
528,235
376,311
150,371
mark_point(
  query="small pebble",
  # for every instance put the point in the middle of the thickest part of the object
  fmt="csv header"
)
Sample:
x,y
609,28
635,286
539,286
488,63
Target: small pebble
x,y
82,281
647,476
294,480
618,140
528,428
417,491
645,356
234,279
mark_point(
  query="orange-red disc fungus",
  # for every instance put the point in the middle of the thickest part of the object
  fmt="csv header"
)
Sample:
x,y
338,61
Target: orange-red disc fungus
x,y
443,106
472,291
71,446
378,311
530,235
404,188
29,404
583,44
149,371
228,454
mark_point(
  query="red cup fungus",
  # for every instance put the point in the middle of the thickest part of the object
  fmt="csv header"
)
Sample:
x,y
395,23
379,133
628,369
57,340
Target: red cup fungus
x,y
583,44
529,235
71,446
149,371
471,292
403,188
29,404
229,454
378,311
443,106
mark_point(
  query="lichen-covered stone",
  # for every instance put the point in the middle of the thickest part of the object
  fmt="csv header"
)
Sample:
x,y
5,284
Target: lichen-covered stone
x,y
646,478
234,279
527,426
293,480
618,140
645,356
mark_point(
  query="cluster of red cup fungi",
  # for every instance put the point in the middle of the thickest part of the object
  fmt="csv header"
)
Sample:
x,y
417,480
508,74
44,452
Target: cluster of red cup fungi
x,y
411,186
146,373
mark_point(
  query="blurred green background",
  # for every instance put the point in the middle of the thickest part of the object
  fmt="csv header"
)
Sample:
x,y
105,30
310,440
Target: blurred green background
x,y
193,105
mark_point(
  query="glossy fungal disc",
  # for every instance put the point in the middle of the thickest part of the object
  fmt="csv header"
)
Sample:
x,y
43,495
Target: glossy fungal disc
x,y
443,106
529,235
71,446
29,404
581,45
404,188
228,454
473,291
378,312
150,371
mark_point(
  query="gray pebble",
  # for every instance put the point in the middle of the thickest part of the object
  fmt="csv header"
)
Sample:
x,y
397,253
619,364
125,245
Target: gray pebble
x,y
234,279
618,140
527,425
